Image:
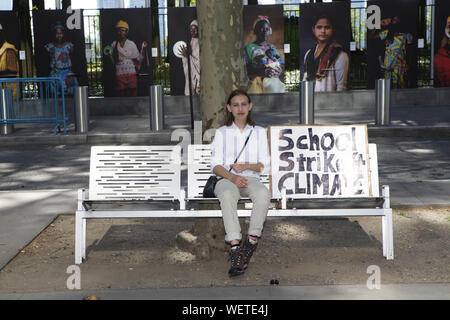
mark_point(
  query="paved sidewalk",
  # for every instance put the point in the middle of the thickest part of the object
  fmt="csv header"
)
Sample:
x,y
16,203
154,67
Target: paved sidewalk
x,y
434,291
40,173
406,121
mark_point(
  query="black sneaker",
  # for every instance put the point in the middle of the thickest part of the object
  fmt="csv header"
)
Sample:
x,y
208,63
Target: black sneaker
x,y
247,252
237,266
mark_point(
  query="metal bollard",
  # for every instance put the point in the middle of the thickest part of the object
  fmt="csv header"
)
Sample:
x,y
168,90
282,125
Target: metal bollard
x,y
156,108
81,109
307,102
6,111
383,100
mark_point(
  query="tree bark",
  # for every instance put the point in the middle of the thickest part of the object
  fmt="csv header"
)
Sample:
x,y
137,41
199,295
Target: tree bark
x,y
221,56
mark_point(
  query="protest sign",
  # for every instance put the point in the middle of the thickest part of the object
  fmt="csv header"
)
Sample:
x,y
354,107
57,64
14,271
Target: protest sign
x,y
318,161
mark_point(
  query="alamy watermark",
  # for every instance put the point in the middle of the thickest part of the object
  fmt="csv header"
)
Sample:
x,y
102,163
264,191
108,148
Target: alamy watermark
x,y
74,280
374,280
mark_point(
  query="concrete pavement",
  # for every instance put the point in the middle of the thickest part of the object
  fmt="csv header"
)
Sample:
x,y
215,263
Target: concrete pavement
x,y
433,291
40,173
135,129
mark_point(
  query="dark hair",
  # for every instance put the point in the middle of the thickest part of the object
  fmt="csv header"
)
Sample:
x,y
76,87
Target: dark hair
x,y
230,117
322,16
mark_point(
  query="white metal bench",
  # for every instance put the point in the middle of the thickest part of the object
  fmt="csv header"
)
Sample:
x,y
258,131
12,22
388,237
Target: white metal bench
x,y
147,175
151,175
199,171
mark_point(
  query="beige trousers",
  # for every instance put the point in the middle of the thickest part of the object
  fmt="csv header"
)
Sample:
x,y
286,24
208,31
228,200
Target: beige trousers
x,y
229,194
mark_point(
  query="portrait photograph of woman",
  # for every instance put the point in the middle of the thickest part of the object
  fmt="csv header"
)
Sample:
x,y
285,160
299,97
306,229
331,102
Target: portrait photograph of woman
x,y
59,51
264,48
127,62
392,49
184,51
324,45
9,44
442,44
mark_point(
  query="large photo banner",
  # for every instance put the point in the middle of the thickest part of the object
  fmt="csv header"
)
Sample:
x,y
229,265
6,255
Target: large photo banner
x,y
318,161
392,42
264,48
324,37
126,37
9,44
184,51
442,43
59,46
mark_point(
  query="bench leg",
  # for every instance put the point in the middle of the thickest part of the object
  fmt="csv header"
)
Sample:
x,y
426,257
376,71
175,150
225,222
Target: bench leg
x,y
83,239
387,225
78,238
384,234
390,237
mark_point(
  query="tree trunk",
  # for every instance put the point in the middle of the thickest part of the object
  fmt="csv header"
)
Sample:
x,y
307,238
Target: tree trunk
x,y
221,56
222,70
22,9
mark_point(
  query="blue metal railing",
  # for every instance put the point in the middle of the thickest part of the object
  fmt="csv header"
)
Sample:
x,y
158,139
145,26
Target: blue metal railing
x,y
34,100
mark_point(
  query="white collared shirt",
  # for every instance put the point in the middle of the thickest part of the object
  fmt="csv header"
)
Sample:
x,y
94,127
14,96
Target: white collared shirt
x,y
228,142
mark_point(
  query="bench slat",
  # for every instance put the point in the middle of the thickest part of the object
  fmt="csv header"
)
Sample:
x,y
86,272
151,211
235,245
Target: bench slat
x,y
199,170
135,172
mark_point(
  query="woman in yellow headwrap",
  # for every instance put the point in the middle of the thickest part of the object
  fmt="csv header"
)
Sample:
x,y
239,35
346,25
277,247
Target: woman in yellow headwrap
x,y
127,59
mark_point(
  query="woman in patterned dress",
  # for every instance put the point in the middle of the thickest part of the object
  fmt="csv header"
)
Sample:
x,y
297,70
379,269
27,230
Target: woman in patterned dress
x,y
264,63
394,64
60,62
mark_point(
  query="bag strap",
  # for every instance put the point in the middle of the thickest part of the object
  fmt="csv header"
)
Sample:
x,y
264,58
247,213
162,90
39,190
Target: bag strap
x,y
246,140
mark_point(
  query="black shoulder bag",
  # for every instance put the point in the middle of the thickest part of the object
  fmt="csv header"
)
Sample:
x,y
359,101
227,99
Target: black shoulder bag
x,y
208,190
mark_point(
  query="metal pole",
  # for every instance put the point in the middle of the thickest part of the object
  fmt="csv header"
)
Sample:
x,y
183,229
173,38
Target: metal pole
x,y
189,51
383,101
432,44
81,109
6,128
307,102
156,108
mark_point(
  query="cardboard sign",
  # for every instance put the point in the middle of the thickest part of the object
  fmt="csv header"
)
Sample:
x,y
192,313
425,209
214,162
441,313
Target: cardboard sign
x,y
317,161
